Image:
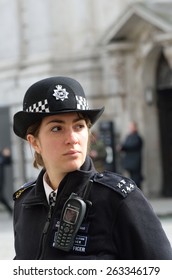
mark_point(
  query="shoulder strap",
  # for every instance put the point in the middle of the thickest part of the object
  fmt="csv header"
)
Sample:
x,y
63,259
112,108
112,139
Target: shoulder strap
x,y
116,182
27,185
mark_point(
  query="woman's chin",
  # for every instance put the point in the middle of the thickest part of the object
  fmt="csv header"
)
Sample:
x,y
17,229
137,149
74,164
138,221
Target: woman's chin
x,y
73,166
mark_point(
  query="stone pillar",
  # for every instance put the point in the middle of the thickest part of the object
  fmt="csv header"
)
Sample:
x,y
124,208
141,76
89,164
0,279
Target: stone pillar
x,y
113,71
167,50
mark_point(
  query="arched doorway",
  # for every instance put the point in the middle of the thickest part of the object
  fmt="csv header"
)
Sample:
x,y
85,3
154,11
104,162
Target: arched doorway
x,y
164,106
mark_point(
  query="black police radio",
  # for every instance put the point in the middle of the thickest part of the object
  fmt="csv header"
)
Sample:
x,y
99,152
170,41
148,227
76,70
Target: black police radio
x,y
72,216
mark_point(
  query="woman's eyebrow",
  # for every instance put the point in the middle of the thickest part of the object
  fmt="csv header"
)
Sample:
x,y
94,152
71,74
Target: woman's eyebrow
x,y
63,121
55,121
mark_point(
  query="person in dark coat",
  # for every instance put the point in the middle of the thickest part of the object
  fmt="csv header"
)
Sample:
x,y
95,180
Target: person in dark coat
x,y
132,154
71,211
5,159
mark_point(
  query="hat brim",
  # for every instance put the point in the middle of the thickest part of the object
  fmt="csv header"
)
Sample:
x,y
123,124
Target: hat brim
x,y
22,119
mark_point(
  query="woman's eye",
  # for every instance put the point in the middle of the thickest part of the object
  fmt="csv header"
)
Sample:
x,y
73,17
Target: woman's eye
x,y
80,126
56,128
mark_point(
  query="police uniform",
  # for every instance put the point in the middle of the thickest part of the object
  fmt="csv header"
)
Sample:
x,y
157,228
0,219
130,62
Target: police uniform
x,y
120,223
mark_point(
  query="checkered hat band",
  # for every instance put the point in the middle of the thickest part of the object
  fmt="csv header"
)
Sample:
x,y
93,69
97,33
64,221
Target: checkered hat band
x,y
82,103
40,107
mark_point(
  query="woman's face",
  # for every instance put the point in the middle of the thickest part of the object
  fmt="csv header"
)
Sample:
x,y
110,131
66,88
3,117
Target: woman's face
x,y
62,142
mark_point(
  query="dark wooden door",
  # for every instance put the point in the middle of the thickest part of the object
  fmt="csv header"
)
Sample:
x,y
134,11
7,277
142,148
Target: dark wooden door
x,y
164,98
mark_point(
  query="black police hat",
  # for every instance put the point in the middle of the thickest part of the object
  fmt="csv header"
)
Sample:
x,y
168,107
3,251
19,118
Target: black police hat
x,y
52,96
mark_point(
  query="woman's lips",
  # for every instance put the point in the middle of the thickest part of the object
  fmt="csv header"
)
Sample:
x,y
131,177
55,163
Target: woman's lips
x,y
72,152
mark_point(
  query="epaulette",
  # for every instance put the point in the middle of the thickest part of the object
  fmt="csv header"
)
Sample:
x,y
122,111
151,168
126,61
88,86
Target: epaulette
x,y
116,182
27,185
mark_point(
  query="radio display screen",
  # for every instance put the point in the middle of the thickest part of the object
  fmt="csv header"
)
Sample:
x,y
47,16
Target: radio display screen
x,y
70,215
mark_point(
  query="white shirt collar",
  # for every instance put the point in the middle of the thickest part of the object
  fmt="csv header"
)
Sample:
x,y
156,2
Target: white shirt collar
x,y
47,187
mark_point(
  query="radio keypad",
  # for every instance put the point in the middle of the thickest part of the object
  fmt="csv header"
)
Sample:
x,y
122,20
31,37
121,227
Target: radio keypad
x,y
64,234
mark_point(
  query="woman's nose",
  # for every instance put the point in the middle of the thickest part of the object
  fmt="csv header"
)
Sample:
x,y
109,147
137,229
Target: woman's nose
x,y
71,137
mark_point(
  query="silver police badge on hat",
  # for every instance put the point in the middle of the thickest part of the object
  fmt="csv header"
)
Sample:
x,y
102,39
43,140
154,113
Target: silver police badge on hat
x,y
60,93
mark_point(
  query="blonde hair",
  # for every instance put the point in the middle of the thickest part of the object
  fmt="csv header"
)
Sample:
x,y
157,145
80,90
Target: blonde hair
x,y
34,130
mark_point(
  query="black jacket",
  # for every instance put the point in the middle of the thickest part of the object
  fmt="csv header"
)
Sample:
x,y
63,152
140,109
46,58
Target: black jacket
x,y
120,224
132,147
4,160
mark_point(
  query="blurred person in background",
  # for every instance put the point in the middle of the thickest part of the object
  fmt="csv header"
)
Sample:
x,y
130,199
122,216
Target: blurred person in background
x,y
131,149
5,159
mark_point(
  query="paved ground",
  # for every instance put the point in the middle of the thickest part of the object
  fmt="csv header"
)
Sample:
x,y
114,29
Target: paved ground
x,y
163,208
6,237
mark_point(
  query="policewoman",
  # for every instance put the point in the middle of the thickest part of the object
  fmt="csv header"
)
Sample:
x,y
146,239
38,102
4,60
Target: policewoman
x,y
71,211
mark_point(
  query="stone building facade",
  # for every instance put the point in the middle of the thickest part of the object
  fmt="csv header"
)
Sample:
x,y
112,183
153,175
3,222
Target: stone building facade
x,y
121,53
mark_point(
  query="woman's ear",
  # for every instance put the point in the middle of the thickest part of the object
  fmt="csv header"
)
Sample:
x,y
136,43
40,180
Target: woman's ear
x,y
34,142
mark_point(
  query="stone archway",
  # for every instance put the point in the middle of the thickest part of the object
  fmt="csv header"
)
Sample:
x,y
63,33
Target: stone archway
x,y
140,35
